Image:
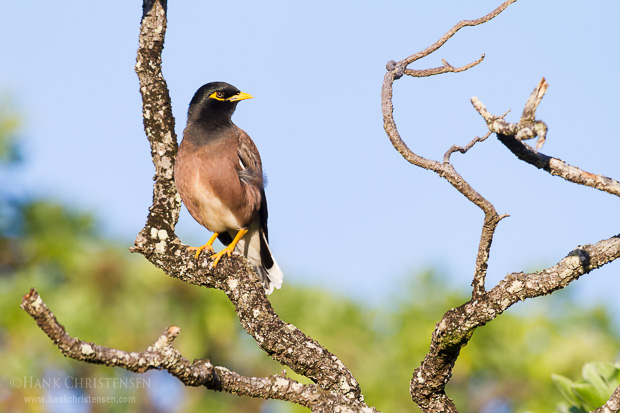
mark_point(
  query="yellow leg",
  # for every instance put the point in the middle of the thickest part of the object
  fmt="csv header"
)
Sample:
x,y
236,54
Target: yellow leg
x,y
208,246
229,249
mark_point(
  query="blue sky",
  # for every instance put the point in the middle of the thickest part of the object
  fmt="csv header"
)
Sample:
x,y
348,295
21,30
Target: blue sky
x,y
346,211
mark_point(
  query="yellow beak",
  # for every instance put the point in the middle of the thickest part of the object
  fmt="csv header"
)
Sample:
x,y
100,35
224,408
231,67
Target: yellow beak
x,y
239,96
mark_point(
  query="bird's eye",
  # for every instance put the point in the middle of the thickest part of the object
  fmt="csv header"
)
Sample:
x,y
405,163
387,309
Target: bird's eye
x,y
220,95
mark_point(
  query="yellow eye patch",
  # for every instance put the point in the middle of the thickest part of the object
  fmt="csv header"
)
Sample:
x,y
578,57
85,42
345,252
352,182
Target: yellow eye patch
x,y
217,96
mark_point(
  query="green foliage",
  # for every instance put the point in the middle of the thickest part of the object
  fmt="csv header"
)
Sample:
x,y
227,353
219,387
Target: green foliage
x,y
592,391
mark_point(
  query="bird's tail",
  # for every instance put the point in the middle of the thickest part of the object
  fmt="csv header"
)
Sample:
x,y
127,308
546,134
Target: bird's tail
x,y
255,248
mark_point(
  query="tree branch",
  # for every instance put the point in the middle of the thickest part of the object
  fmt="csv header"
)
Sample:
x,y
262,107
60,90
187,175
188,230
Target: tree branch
x,y
456,148
395,70
458,325
432,376
452,32
162,356
158,120
446,68
512,135
158,243
461,149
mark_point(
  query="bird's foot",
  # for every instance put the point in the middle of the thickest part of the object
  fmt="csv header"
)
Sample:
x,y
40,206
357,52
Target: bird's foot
x,y
216,257
198,250
208,246
229,249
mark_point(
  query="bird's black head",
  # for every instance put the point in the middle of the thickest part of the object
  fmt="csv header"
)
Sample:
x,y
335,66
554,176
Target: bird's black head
x,y
215,102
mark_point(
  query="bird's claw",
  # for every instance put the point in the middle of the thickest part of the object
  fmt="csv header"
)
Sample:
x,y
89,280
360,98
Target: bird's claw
x,y
216,257
198,250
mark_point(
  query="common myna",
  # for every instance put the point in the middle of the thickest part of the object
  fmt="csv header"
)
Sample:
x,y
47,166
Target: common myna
x,y
219,176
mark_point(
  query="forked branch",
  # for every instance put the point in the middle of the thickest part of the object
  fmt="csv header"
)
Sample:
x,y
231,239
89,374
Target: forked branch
x,y
428,383
457,325
396,70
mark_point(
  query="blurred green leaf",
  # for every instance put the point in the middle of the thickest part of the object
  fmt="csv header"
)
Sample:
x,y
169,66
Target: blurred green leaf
x,y
589,396
565,385
593,390
602,375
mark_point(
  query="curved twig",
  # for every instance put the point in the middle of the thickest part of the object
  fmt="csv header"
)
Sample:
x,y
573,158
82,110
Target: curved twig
x,y
453,30
461,149
395,70
446,68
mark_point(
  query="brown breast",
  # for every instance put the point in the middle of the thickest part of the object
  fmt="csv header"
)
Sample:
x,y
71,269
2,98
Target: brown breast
x,y
207,178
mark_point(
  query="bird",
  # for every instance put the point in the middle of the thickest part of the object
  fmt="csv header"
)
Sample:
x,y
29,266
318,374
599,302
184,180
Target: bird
x,y
218,174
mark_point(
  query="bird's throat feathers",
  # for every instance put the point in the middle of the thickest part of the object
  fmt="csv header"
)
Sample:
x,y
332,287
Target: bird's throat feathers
x,y
205,126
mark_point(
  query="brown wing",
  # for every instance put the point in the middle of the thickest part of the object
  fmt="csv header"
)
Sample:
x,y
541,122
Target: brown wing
x,y
252,173
249,156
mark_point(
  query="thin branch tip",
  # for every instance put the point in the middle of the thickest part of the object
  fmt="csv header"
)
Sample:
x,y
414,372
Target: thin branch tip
x,y
172,332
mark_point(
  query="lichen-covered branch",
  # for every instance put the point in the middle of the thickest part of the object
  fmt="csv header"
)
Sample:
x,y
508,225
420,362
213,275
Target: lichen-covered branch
x,y
158,243
158,120
162,356
458,325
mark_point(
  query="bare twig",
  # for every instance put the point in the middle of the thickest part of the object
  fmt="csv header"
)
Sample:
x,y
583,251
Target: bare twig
x,y
395,70
461,149
446,68
512,135
456,148
452,32
429,393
